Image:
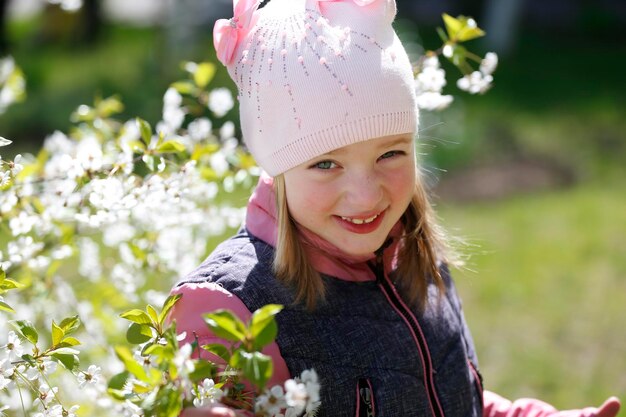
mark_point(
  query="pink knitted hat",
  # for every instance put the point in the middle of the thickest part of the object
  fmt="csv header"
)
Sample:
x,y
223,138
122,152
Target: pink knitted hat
x,y
316,75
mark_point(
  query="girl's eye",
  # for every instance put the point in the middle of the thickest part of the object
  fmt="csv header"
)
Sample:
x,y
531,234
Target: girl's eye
x,y
390,154
324,165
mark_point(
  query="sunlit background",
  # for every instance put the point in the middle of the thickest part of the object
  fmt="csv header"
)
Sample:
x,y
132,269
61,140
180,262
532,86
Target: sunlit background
x,y
530,175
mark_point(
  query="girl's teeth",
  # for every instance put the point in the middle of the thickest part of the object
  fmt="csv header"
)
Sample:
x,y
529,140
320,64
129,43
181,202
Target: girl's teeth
x,y
360,221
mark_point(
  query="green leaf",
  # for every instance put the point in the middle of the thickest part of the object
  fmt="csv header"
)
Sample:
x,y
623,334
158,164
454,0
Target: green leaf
x,y
109,106
138,333
57,334
66,351
30,359
136,145
453,25
70,324
145,130
171,146
202,369
5,307
69,341
124,354
167,306
169,402
184,87
136,316
154,316
218,350
256,367
27,330
226,325
263,326
204,74
69,361
119,380
469,33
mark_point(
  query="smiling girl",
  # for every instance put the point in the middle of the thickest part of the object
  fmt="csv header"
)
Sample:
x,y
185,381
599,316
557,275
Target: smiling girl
x,y
339,229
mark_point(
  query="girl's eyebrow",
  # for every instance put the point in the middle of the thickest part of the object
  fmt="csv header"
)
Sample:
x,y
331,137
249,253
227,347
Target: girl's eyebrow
x,y
400,141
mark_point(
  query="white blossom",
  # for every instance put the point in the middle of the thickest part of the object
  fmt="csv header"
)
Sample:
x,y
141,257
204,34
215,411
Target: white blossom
x,y
227,131
207,394
89,261
200,129
475,83
219,163
433,101
58,143
23,249
91,376
89,154
431,78
47,394
7,66
6,372
489,64
23,223
106,193
272,401
44,368
221,101
15,165
296,395
8,199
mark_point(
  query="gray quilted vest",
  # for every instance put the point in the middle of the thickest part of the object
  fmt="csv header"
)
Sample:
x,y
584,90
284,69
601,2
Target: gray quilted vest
x,y
374,355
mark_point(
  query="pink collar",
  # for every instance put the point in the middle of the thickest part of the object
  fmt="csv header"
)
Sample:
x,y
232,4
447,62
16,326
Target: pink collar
x,y
261,221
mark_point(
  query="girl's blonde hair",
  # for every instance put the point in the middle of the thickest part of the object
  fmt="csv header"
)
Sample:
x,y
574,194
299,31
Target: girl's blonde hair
x,y
423,248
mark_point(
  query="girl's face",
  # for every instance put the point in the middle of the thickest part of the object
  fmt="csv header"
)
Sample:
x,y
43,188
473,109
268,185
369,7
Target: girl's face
x,y
353,196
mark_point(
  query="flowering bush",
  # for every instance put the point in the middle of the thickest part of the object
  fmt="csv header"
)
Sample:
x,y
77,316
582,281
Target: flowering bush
x,y
105,217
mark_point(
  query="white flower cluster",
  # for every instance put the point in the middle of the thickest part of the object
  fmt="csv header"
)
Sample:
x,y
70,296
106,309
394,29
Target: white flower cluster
x,y
299,397
428,86
88,226
37,373
431,79
480,81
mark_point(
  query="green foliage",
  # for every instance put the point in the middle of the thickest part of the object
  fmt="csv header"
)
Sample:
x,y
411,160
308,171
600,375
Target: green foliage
x,y
157,389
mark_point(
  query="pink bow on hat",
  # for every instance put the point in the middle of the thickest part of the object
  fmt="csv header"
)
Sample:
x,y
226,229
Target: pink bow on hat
x,y
227,33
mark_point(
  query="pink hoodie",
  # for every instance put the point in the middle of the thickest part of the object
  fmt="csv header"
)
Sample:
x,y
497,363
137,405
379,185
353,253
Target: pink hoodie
x,y
201,298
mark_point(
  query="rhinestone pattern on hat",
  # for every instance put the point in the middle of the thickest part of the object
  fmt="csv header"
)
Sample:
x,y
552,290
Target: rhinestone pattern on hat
x,y
310,40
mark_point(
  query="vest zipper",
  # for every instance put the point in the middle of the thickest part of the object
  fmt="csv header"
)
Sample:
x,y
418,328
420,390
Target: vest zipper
x,y
365,399
403,310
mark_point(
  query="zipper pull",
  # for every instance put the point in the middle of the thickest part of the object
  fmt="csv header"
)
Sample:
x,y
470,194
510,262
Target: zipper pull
x,y
365,399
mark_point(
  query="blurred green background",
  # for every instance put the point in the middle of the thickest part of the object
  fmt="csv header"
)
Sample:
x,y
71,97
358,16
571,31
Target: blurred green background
x,y
530,175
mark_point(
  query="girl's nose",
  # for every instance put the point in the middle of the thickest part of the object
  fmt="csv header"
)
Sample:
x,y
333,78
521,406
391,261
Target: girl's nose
x,y
364,191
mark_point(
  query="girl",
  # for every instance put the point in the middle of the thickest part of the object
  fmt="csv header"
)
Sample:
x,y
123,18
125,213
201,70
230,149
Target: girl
x,y
340,230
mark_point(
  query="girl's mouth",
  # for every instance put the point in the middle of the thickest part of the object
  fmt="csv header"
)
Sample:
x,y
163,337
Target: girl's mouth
x,y
360,221
361,225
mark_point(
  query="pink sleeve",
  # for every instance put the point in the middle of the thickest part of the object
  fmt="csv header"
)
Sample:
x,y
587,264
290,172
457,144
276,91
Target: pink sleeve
x,y
200,298
497,406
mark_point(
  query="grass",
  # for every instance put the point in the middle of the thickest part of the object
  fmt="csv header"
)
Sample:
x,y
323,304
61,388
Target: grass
x,y
546,299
